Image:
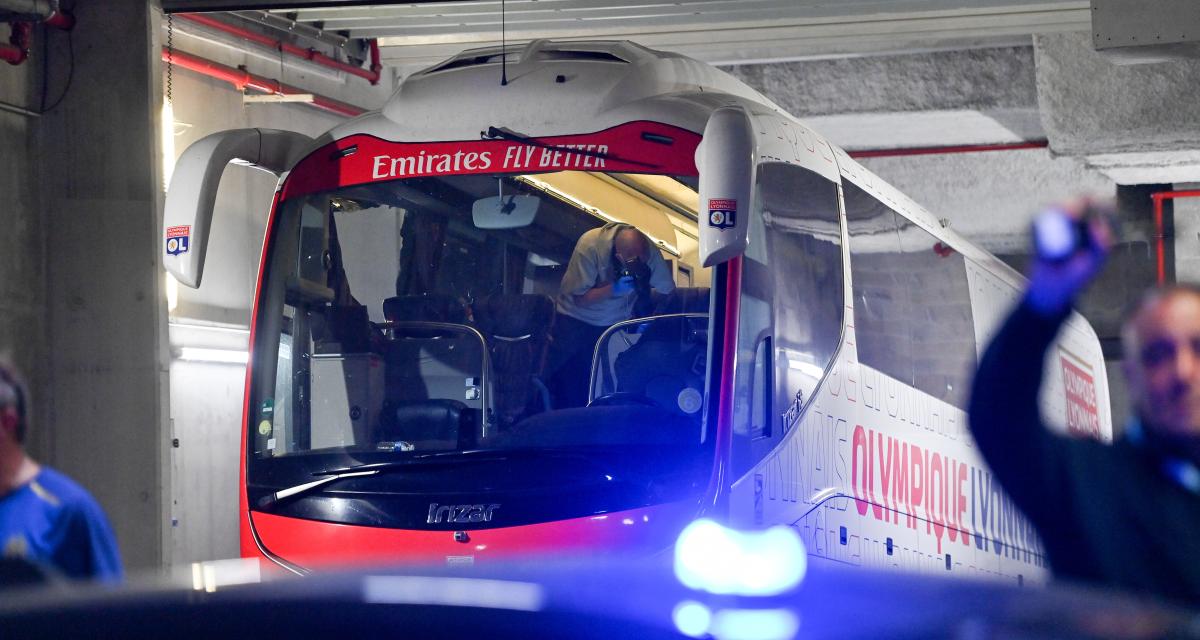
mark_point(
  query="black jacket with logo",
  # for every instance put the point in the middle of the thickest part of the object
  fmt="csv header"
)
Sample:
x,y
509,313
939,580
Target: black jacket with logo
x,y
1106,513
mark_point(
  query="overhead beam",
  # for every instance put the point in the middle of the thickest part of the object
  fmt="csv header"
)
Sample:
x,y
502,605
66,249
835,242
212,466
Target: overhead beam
x,y
409,38
201,6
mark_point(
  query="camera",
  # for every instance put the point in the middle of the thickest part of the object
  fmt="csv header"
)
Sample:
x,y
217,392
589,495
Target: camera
x,y
636,269
1057,235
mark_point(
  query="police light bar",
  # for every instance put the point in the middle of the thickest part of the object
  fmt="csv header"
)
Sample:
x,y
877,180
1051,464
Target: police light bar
x,y
713,558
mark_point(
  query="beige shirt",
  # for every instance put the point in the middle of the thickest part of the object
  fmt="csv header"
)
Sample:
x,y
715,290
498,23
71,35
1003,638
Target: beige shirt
x,y
592,265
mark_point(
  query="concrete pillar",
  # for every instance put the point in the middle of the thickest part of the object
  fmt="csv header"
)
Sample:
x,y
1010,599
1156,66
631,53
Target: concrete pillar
x,y
99,174
1186,240
22,272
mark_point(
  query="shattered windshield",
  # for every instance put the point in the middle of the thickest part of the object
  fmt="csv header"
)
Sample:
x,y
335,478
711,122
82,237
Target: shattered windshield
x,y
455,313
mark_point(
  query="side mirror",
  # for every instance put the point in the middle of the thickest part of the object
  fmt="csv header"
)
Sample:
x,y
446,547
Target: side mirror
x,y
192,194
727,158
504,212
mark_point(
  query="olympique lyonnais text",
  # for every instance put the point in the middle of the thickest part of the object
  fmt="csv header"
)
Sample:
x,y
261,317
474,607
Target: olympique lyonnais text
x,y
1083,416
515,158
892,479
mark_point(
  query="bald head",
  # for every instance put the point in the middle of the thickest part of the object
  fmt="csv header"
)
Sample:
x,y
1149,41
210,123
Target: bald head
x,y
630,243
1161,339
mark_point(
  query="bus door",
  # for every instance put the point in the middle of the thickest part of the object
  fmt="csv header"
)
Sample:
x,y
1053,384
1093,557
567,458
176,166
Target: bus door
x,y
784,304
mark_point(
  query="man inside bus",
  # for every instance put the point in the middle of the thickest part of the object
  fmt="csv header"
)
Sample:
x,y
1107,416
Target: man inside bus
x,y
1124,514
608,279
45,518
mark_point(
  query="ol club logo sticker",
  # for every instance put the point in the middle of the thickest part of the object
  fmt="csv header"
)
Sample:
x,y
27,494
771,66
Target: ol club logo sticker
x,y
722,213
177,240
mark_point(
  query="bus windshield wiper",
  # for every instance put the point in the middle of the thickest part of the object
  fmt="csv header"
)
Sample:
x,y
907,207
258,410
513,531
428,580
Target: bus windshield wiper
x,y
329,476
269,500
505,134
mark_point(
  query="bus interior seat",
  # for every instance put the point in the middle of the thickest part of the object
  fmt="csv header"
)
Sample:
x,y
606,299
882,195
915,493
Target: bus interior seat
x,y
517,328
432,365
435,424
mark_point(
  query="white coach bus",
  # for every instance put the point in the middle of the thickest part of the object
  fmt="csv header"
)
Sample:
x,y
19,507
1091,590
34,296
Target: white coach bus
x,y
810,366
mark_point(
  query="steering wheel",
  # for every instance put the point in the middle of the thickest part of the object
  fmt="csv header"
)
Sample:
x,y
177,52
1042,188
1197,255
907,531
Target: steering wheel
x,y
623,397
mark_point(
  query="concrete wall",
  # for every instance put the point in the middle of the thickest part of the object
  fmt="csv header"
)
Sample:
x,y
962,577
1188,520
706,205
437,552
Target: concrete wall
x,y
96,165
22,246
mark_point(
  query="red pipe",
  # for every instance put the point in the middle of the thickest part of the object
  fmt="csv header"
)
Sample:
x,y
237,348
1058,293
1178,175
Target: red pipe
x,y
1159,233
376,65
60,20
929,151
18,51
312,55
241,79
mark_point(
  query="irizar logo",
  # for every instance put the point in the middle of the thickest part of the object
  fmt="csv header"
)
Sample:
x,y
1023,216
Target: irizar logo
x,y
460,513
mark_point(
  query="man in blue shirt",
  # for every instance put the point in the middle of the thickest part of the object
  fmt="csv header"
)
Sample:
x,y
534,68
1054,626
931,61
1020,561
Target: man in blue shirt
x,y
44,516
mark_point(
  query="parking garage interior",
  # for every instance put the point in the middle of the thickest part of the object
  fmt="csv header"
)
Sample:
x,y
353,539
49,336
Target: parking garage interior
x,y
983,111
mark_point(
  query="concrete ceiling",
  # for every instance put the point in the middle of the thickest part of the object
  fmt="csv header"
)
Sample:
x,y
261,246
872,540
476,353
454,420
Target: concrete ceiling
x,y
716,31
899,73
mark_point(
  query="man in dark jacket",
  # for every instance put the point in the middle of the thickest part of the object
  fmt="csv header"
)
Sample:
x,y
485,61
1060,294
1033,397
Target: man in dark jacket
x,y
1124,514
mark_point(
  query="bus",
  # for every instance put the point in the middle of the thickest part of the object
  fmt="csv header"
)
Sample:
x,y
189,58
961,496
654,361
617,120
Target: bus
x,y
809,368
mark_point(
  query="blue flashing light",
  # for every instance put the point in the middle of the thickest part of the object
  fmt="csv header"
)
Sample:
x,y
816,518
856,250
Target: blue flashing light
x,y
692,618
712,558
755,624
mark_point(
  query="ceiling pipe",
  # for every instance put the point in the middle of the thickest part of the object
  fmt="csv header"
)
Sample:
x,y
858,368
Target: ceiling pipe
x,y
298,29
22,14
935,151
37,11
312,55
1160,234
242,80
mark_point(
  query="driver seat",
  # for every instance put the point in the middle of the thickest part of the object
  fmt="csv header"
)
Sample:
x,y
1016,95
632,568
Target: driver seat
x,y
517,328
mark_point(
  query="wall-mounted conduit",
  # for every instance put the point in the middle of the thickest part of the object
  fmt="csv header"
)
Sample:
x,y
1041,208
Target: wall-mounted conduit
x,y
935,151
311,55
242,80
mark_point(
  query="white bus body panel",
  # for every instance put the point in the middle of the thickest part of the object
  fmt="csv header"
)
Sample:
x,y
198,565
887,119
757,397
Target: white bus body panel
x,y
825,476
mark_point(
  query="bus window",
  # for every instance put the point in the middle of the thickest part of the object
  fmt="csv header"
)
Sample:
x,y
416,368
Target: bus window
x,y
941,325
912,306
792,302
804,236
881,303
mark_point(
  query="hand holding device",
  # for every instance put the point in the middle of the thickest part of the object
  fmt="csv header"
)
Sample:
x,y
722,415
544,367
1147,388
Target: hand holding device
x,y
623,285
1070,243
